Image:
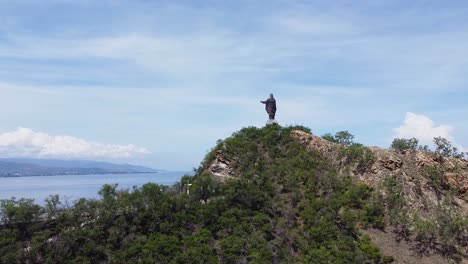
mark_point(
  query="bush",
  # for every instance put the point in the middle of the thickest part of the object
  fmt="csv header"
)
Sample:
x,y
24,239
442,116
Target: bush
x,y
394,198
445,148
329,137
21,212
341,137
425,231
436,175
374,215
357,153
405,144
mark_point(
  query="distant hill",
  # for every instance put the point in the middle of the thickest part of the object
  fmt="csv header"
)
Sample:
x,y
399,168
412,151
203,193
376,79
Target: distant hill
x,y
39,167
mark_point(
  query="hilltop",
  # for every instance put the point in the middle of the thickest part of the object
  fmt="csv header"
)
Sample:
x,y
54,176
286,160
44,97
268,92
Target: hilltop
x,y
423,194
270,195
426,177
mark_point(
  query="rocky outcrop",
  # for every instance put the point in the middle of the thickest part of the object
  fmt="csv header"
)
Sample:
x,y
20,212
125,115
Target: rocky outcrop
x,y
418,173
391,164
221,167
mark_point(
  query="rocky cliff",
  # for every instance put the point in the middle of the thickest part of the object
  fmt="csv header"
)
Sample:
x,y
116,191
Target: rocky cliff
x,y
424,175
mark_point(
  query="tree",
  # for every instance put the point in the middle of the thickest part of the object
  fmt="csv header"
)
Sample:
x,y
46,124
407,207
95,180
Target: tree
x,y
20,215
204,187
405,144
424,148
341,137
22,211
329,137
52,203
108,193
445,148
357,153
160,248
344,137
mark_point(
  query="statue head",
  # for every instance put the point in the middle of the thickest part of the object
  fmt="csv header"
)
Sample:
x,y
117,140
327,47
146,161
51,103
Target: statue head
x,y
271,96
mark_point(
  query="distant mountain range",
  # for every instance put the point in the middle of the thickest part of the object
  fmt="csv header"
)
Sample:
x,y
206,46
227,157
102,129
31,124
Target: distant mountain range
x,y
10,167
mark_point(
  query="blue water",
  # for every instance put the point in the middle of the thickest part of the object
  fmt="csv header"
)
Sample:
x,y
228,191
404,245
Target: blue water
x,y
73,187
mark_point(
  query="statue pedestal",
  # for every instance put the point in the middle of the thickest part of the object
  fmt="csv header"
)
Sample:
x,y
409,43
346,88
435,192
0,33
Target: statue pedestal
x,y
271,122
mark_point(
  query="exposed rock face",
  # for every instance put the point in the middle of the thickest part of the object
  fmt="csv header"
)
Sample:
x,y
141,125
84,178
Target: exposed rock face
x,y
411,168
221,167
391,163
325,147
459,181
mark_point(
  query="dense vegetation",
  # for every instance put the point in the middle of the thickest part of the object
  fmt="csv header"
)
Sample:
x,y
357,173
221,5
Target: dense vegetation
x,y
288,205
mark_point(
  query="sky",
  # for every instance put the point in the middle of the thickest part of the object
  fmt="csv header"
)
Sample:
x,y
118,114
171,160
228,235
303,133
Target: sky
x,y
157,83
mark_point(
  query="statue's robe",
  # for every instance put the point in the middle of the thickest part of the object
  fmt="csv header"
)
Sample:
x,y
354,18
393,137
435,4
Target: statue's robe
x,y
270,107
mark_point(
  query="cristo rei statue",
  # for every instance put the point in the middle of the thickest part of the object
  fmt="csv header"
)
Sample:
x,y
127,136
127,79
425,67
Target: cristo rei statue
x,y
270,107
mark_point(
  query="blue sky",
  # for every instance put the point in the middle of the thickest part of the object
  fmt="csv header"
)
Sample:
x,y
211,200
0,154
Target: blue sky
x,y
158,82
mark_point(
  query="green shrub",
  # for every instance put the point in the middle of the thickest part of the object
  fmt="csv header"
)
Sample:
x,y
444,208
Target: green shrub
x,y
394,198
357,154
329,137
405,144
445,148
436,176
374,214
341,137
425,234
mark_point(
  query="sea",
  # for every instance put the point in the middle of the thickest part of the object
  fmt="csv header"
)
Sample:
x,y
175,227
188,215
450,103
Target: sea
x,y
73,187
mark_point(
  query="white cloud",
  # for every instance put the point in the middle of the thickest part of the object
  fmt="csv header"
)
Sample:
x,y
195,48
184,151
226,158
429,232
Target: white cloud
x,y
25,142
424,129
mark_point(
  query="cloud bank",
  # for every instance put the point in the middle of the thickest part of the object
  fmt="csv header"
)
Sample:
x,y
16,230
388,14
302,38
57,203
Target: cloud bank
x,y
24,142
424,129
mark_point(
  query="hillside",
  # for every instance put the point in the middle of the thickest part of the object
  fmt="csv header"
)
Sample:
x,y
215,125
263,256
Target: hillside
x,y
270,195
424,195
44,167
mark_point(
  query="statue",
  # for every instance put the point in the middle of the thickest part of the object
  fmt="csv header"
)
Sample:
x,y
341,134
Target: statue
x,y
270,107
